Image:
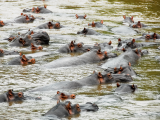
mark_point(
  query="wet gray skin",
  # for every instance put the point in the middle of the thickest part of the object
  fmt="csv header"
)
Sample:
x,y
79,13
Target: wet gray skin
x,y
126,88
149,36
89,107
22,19
91,80
87,31
135,25
96,24
41,10
50,25
89,57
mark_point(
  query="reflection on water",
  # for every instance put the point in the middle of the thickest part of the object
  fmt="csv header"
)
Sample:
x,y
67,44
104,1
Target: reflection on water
x,y
143,104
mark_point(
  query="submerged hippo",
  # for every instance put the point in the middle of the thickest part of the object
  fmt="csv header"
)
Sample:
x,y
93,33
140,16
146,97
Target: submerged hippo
x,y
96,24
38,10
93,79
22,60
125,88
150,36
50,25
121,70
87,31
137,25
128,20
63,110
11,96
39,38
81,16
93,56
4,52
24,18
63,96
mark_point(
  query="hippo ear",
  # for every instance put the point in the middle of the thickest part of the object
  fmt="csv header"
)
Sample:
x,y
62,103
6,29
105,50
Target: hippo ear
x,y
1,22
19,33
119,39
101,21
76,16
45,6
85,16
1,50
94,71
133,40
27,18
20,54
32,32
118,85
10,95
129,64
32,17
133,87
29,37
124,16
21,13
110,42
32,9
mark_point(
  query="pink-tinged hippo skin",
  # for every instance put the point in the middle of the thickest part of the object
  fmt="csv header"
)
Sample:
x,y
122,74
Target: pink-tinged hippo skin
x,y
62,110
93,56
137,25
22,60
50,25
125,88
96,78
74,47
81,16
87,31
38,10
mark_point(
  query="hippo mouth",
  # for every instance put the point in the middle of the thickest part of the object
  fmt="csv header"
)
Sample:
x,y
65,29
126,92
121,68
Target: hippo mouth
x,y
50,25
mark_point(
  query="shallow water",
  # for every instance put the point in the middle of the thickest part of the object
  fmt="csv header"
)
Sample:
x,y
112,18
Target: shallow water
x,y
143,104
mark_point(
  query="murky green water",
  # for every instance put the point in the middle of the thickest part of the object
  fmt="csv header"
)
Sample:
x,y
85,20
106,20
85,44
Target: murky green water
x,y
144,104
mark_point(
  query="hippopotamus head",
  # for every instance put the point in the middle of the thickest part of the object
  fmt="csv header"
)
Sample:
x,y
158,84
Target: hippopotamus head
x,y
33,47
81,16
75,109
89,107
24,18
1,23
52,25
11,96
1,53
63,96
86,31
96,24
128,20
131,44
125,88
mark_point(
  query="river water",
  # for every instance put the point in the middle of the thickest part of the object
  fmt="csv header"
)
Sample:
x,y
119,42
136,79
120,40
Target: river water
x,y
144,104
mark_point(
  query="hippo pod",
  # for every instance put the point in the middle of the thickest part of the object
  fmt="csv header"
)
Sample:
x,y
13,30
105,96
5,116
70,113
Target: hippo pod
x,y
125,88
11,96
24,18
93,79
22,60
63,110
121,70
81,16
63,96
137,25
4,52
50,25
86,31
150,36
122,60
128,20
38,10
96,24
93,56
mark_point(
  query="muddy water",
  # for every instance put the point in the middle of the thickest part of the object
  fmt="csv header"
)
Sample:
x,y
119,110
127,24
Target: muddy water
x,y
143,104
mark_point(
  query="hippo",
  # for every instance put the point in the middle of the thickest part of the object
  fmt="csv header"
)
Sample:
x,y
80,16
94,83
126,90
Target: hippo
x,y
63,96
122,60
11,96
22,60
128,20
38,10
132,44
24,18
1,23
150,36
33,47
122,70
39,38
96,24
125,88
93,56
81,16
94,79
89,107
63,110
137,25
50,25
4,52
87,31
